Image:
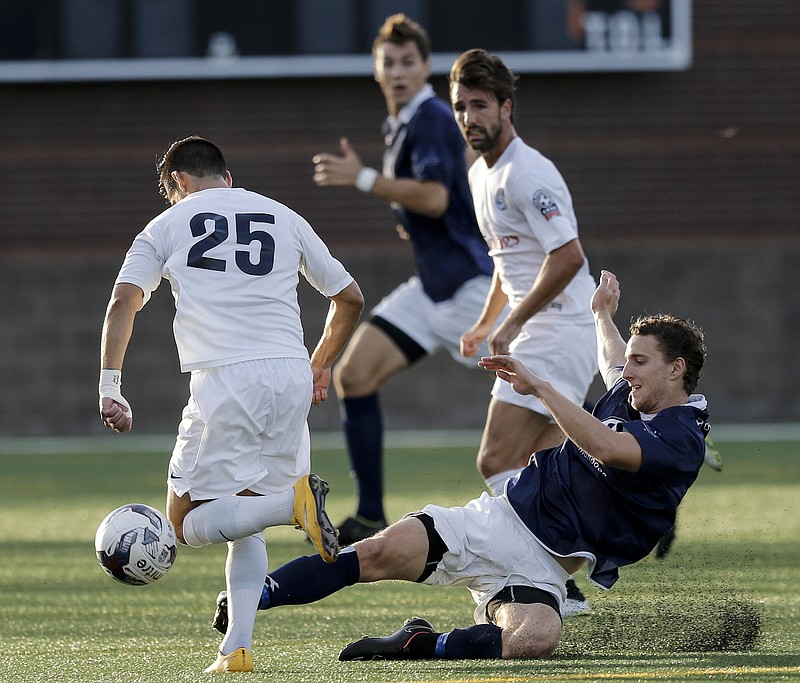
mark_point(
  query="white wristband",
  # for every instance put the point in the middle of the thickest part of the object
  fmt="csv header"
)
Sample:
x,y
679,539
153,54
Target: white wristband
x,y
110,387
111,384
365,180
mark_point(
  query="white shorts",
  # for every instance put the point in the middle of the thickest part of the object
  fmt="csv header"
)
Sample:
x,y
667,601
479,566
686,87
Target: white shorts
x,y
433,325
564,354
244,427
490,548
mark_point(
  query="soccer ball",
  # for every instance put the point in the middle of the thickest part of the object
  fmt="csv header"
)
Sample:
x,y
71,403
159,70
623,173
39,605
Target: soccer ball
x,y
135,544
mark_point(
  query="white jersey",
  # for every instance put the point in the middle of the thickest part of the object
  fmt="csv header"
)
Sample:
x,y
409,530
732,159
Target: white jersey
x,y
232,258
524,211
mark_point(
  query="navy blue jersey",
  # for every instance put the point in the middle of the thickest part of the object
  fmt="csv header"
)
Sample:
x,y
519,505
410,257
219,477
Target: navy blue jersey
x,y
577,505
450,250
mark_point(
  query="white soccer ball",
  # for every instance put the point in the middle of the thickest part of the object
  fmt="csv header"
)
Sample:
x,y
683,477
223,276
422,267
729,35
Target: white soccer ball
x,y
135,544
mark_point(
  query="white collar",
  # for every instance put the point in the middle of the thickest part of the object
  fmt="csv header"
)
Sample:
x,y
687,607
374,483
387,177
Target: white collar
x,y
408,111
694,401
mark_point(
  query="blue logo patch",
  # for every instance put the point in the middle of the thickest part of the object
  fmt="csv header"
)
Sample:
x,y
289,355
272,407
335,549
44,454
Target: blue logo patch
x,y
546,204
500,200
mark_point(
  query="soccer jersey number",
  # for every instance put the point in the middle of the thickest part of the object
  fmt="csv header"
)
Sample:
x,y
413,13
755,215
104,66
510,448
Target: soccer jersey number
x,y
245,235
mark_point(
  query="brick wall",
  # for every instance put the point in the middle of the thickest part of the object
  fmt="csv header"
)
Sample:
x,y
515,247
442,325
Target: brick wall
x,y
687,182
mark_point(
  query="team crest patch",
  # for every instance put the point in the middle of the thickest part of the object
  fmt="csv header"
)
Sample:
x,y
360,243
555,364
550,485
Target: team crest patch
x,y
500,200
546,204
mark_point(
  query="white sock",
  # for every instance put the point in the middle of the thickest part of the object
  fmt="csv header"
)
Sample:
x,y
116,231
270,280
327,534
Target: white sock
x,y
496,483
232,517
245,570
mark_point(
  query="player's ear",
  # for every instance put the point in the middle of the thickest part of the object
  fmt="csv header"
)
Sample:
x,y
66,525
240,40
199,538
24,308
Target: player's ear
x,y
229,178
180,180
678,368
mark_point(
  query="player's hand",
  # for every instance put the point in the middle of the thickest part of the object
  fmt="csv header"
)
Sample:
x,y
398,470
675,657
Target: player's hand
x,y
116,414
472,339
332,170
513,371
115,411
322,382
500,341
605,299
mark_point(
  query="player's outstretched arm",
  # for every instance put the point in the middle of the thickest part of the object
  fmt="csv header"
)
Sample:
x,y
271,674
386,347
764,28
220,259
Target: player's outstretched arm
x,y
610,344
428,198
617,449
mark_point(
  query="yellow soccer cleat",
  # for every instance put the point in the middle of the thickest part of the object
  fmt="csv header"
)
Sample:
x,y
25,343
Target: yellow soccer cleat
x,y
310,515
240,660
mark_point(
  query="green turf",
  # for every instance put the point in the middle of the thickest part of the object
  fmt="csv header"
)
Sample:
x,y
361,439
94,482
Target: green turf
x,y
682,619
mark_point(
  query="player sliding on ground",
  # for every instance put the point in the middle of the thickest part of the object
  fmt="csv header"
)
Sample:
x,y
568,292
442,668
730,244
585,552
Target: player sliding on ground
x,y
603,498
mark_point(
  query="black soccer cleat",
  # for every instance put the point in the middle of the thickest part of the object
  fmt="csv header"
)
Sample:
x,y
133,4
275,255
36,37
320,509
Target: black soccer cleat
x,y
220,620
576,602
395,646
355,529
664,544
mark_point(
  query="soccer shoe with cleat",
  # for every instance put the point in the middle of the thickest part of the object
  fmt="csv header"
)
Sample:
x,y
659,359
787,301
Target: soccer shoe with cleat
x,y
355,529
240,660
664,544
220,620
394,646
576,602
310,516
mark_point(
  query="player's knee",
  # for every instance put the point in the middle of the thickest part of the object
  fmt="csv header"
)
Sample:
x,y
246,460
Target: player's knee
x,y
530,644
352,379
491,461
375,557
177,524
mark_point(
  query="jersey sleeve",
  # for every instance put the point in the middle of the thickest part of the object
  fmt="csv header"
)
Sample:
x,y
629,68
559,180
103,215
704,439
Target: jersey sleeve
x,y
670,448
143,264
324,272
542,204
434,149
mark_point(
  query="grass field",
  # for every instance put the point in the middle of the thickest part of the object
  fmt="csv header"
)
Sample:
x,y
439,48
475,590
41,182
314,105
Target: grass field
x,y
63,619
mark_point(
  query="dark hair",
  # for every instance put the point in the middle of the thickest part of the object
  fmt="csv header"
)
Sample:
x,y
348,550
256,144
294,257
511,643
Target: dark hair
x,y
677,338
483,71
399,29
194,155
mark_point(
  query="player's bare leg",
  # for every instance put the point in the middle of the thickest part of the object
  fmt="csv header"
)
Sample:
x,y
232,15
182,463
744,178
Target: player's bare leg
x,y
370,359
398,552
511,434
177,509
530,631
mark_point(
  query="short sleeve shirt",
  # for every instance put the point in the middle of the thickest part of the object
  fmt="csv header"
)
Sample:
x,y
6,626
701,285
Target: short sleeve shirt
x,y
524,210
233,259
576,505
449,250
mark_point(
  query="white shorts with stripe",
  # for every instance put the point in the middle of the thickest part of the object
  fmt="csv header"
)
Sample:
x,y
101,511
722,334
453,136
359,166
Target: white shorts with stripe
x,y
490,548
244,427
437,325
565,354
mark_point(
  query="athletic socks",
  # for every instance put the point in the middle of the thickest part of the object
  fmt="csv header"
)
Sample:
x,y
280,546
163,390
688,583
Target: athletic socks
x,y
226,519
482,641
245,568
362,422
308,579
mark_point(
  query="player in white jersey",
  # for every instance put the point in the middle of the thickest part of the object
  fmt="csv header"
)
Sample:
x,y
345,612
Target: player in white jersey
x,y
242,456
525,212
